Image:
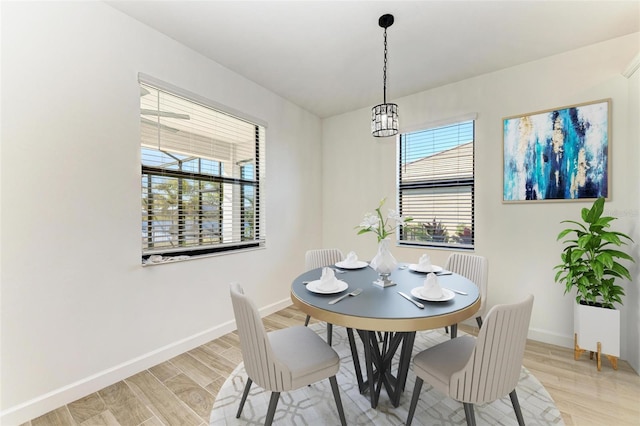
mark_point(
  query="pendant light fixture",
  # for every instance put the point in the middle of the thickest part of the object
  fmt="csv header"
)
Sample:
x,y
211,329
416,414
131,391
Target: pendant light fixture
x,y
384,117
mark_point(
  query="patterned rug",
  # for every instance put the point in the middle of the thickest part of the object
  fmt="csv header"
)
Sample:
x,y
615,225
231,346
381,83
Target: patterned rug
x,y
314,405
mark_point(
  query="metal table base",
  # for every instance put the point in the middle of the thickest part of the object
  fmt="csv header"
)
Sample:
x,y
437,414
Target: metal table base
x,y
379,351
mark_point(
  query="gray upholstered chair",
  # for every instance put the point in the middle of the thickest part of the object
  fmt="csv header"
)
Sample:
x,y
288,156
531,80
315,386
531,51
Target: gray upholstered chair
x,y
316,259
478,370
281,360
476,269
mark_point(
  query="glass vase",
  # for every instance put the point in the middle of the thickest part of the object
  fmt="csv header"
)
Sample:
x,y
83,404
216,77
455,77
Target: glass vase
x,y
384,263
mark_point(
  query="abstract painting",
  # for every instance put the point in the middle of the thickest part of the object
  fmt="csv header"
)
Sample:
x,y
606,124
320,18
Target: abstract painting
x,y
558,154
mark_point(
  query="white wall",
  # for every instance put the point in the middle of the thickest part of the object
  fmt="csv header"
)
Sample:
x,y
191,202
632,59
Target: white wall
x,y
632,307
78,310
519,240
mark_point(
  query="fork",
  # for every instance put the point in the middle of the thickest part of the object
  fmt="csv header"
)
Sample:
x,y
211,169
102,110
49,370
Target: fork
x,y
355,292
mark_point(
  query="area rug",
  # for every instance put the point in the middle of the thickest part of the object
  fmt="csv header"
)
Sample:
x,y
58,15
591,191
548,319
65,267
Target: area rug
x,y
314,405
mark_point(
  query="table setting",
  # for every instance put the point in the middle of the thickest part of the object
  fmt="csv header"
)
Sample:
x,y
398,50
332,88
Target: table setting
x,y
424,265
351,262
327,284
332,280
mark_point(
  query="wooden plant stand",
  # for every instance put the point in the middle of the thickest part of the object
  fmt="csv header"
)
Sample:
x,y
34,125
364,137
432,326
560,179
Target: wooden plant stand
x,y
577,351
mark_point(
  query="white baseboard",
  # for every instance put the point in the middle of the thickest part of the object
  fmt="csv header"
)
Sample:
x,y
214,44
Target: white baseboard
x,y
42,404
546,336
539,335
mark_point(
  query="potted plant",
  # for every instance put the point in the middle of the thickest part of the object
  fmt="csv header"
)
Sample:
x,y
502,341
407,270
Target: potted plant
x,y
590,265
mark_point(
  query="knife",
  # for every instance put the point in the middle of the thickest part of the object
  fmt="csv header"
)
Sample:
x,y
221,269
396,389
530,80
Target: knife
x,y
418,304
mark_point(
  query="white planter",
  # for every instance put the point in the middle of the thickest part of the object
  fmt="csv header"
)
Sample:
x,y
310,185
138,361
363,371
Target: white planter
x,y
592,325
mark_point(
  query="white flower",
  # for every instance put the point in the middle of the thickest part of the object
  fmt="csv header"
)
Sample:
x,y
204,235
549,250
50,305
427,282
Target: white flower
x,y
374,222
399,220
370,221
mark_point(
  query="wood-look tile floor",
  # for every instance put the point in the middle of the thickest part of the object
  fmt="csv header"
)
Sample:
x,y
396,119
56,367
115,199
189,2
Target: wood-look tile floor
x,y
181,391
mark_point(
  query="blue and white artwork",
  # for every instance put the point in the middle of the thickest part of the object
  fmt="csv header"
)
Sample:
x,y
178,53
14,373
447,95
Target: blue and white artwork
x,y
560,154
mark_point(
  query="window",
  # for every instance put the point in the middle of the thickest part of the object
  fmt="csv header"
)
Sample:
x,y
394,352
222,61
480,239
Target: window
x,y
436,186
201,176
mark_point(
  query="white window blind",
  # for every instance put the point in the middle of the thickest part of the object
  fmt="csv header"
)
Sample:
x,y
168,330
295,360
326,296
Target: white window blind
x,y
202,171
436,185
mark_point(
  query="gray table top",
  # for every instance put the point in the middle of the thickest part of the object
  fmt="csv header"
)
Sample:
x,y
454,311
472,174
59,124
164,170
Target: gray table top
x,y
383,309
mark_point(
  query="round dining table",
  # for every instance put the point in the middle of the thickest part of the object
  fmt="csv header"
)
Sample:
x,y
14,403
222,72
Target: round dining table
x,y
385,320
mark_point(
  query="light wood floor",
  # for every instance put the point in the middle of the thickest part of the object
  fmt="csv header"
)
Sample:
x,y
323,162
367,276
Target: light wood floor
x,y
182,390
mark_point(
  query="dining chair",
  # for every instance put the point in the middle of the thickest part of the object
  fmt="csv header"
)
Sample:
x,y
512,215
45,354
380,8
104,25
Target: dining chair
x,y
478,370
476,269
281,360
318,258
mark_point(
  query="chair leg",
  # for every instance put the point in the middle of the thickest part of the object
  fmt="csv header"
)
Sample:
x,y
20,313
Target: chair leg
x,y
479,321
273,403
468,414
329,333
244,397
446,329
516,407
414,400
336,396
306,321
454,331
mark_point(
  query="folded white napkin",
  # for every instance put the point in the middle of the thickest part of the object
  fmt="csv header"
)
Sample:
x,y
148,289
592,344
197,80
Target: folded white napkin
x,y
351,260
432,288
328,280
424,264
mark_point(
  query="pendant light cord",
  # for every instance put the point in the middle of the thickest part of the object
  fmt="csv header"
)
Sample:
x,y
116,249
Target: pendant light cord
x,y
384,68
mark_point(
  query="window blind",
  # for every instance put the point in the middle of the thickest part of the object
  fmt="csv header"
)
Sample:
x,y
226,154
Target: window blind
x,y
201,176
436,185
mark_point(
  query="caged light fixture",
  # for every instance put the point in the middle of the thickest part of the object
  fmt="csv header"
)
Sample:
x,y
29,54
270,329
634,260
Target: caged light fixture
x,y
384,117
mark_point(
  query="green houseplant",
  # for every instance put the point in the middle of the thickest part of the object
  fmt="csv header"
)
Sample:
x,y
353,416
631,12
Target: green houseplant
x,y
590,264
590,258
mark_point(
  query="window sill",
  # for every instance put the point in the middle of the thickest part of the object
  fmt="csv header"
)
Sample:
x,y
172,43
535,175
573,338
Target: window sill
x,y
435,246
183,258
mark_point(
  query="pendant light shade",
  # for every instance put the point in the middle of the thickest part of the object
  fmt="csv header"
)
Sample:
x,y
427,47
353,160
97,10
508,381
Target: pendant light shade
x,y
384,117
384,120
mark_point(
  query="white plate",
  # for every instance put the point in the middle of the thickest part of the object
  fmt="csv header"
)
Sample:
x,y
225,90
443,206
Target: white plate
x,y
358,265
313,287
446,295
416,268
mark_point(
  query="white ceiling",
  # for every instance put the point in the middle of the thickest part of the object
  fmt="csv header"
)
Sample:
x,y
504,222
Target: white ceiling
x,y
326,56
